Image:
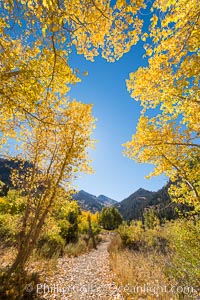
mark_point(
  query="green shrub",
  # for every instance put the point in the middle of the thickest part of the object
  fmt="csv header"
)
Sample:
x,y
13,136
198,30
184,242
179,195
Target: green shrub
x,y
156,240
133,235
150,219
13,203
50,246
173,249
184,261
110,218
8,227
68,231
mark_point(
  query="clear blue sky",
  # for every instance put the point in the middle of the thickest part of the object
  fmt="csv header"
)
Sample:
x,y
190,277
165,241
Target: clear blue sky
x,y
115,176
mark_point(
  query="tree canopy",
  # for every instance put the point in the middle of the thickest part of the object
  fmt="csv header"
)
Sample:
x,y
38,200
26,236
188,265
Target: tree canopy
x,y
170,86
37,39
53,132
110,218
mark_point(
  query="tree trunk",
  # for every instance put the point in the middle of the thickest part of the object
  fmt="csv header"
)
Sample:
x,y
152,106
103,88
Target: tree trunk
x,y
29,242
21,259
91,233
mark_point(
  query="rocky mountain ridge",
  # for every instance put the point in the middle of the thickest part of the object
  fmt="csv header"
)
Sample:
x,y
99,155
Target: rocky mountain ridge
x,y
130,208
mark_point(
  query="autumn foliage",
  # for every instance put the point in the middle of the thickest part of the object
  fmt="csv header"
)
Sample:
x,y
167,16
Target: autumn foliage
x,y
53,132
169,85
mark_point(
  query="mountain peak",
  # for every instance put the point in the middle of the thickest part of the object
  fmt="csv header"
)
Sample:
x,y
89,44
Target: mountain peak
x,y
90,202
142,190
106,200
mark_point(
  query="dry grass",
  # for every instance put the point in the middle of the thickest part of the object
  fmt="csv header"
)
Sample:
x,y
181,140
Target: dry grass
x,y
76,249
7,255
37,262
36,271
81,246
141,274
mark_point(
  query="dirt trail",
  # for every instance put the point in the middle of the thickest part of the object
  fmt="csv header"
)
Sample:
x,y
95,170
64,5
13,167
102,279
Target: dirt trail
x,y
82,278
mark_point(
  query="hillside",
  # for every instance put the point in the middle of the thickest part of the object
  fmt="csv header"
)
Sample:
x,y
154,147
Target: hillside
x,y
133,206
5,169
106,200
90,202
85,200
130,208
